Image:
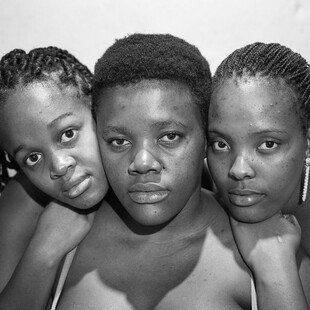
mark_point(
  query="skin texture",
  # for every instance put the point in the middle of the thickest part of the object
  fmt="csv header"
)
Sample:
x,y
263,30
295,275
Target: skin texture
x,y
55,143
255,144
147,257
256,150
173,253
52,133
151,145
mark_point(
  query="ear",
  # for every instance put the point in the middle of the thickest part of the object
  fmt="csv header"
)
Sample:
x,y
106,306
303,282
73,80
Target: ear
x,y
308,143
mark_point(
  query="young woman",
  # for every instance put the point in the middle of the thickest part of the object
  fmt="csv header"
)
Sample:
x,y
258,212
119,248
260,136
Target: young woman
x,y
46,125
158,241
258,155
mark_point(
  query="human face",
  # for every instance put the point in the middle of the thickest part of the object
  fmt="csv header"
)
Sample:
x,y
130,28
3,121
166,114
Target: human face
x,y
51,134
152,143
256,147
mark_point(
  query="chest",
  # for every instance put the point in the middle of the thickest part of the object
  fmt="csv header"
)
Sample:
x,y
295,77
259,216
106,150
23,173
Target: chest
x,y
178,275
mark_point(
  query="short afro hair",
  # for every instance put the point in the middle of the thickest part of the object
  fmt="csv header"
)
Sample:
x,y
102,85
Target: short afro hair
x,y
274,61
140,57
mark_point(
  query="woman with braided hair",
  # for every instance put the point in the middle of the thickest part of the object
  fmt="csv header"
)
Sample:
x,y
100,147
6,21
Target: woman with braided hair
x,y
46,125
259,158
158,240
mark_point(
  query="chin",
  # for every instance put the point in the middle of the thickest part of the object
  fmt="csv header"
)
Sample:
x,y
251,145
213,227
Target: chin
x,y
86,202
245,214
153,217
249,214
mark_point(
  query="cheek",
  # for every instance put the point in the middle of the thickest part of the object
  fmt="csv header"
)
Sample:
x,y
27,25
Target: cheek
x,y
284,177
115,168
42,181
187,170
218,169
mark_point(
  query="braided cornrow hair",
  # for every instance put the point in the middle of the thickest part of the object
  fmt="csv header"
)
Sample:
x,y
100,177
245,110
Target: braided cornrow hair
x,y
272,61
48,64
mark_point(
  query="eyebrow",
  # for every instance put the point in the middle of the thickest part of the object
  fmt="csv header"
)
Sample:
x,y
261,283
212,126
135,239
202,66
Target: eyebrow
x,y
53,123
15,151
156,125
262,132
163,124
271,130
116,129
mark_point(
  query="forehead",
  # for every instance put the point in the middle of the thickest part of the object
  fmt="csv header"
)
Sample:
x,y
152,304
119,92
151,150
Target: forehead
x,y
39,97
253,98
147,100
32,108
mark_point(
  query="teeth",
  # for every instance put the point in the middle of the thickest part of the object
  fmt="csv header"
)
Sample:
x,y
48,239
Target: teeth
x,y
79,189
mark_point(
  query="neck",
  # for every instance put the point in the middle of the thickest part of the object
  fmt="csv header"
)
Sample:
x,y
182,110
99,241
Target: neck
x,y
197,214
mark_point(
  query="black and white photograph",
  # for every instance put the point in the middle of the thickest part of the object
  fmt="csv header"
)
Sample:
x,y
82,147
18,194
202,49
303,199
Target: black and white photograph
x,y
154,155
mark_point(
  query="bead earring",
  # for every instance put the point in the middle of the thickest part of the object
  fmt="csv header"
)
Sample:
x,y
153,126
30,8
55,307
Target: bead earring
x,y
306,179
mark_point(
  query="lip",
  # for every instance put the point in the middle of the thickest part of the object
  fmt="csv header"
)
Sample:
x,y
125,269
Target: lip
x,y
76,187
245,197
243,192
147,193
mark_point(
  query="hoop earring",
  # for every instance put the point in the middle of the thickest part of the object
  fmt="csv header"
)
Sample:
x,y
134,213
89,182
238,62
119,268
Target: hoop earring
x,y
306,180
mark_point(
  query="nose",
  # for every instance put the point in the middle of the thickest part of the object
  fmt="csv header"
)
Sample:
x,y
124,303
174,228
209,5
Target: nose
x,y
61,163
241,169
144,162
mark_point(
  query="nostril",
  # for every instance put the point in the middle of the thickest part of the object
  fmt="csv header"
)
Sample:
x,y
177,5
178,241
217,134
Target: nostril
x,y
145,162
241,169
60,165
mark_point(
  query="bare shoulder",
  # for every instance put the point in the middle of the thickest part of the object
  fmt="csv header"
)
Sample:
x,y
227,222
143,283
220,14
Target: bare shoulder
x,y
198,271
303,217
221,255
20,207
20,202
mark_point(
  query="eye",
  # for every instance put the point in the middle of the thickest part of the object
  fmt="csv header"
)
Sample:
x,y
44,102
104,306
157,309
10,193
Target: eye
x,y
170,138
119,142
220,146
268,145
68,135
32,159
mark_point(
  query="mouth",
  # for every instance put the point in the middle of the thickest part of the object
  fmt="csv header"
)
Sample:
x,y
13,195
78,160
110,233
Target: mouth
x,y
76,188
244,198
147,193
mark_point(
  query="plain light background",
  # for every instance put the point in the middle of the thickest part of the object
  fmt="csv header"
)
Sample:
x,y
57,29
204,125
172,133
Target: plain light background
x,y
217,27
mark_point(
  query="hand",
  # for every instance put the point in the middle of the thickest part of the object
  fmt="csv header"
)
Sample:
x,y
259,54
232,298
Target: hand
x,y
59,230
269,245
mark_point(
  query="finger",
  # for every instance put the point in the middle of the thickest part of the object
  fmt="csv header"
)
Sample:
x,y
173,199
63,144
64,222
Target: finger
x,y
277,215
292,219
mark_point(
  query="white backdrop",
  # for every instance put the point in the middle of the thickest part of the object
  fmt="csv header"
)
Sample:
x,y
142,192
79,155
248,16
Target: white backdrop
x,y
217,27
